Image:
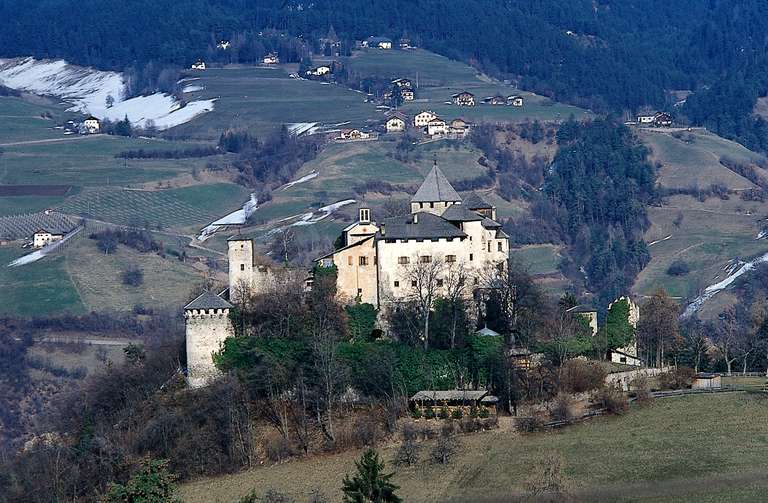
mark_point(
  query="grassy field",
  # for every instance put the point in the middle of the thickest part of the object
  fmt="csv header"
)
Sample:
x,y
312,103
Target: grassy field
x,y
167,282
537,259
707,235
684,449
36,289
23,120
439,77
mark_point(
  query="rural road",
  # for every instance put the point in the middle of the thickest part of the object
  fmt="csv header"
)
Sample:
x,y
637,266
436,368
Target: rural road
x,y
51,140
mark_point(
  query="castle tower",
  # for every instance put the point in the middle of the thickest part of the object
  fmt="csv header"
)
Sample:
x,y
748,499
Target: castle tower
x,y
240,252
435,194
207,325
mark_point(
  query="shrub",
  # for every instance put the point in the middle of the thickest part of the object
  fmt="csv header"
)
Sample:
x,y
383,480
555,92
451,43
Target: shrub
x,y
530,424
445,449
469,425
443,414
677,378
457,414
483,413
278,448
562,408
678,268
613,399
133,276
365,432
579,376
408,453
473,411
152,483
416,413
429,413
642,388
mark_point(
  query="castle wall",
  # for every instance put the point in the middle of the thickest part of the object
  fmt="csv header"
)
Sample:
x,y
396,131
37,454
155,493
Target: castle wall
x,y
355,277
206,330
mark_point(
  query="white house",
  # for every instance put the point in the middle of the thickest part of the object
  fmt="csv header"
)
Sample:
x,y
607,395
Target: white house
x,y
515,101
319,71
423,118
395,123
353,134
378,43
646,119
198,65
271,59
436,127
91,125
43,237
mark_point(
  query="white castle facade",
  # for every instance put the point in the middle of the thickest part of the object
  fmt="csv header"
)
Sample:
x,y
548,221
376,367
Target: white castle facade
x,y
443,239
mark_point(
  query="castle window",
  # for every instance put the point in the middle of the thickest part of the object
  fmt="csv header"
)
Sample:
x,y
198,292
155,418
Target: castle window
x,y
439,283
349,260
476,281
397,284
489,246
363,260
242,267
425,259
403,260
431,205
501,246
413,283
421,205
359,291
450,258
471,257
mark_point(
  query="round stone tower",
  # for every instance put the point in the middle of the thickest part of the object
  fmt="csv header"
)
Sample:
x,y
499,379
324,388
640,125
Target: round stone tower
x,y
207,325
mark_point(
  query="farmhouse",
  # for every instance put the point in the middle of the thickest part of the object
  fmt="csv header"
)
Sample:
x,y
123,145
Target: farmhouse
x,y
662,119
495,100
463,99
271,59
423,118
395,123
44,237
319,71
353,134
459,128
436,127
91,125
515,101
198,65
407,94
378,43
646,119
402,83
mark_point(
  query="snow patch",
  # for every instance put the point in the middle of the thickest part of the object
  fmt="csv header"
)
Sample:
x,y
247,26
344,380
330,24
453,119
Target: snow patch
x,y
300,128
193,89
660,240
87,89
303,179
762,234
734,271
237,217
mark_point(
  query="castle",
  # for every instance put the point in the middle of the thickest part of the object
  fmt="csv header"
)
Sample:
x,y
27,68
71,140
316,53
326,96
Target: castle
x,y
443,239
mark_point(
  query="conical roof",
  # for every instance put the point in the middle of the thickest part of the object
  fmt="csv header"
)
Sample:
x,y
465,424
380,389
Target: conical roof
x,y
208,300
436,187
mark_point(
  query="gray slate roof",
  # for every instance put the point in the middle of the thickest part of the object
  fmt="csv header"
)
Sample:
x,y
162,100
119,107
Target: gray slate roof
x,y
491,224
436,187
428,226
475,201
208,300
459,213
452,394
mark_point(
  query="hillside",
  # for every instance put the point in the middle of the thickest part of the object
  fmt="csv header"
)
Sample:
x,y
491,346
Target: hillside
x,y
653,453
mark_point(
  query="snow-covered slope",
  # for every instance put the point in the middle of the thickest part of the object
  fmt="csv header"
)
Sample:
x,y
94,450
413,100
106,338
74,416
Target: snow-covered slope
x,y
87,90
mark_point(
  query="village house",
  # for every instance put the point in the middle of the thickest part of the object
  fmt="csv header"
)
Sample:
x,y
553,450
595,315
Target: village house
x,y
463,99
223,45
319,71
198,65
515,100
406,93
91,125
378,43
646,119
353,134
459,128
436,127
405,43
662,119
395,123
271,59
402,83
495,100
423,118
45,237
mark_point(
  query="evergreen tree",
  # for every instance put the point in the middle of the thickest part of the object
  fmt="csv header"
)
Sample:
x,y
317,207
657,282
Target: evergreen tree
x,y
152,484
370,484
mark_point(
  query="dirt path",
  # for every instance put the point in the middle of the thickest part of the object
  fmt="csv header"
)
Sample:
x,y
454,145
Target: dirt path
x,y
53,140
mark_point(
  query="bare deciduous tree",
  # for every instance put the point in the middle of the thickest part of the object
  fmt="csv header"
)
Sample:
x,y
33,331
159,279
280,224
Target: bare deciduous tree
x,y
424,278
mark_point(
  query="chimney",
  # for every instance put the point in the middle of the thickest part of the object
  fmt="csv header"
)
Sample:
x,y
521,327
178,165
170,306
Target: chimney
x,y
383,230
415,218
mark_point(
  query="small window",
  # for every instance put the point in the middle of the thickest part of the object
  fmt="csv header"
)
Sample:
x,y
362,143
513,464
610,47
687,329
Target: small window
x,y
431,205
500,246
476,281
471,257
403,260
439,283
489,246
450,258
242,267
413,283
363,260
397,284
421,205
349,260
425,259
359,291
